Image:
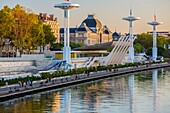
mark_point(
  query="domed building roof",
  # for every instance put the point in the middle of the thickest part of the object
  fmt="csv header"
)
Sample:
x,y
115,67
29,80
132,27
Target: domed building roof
x,y
92,23
115,36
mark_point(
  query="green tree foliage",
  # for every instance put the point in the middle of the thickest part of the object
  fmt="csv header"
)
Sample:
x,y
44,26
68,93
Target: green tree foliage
x,y
6,22
37,35
24,20
138,48
166,53
160,51
72,45
144,42
23,28
168,41
57,45
109,49
49,36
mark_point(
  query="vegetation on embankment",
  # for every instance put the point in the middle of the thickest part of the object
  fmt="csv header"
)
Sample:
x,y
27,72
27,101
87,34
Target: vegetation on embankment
x,y
56,74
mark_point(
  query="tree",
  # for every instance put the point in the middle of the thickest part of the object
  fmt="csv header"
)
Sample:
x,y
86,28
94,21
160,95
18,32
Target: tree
x,y
160,51
19,28
6,22
61,45
168,41
138,48
144,40
74,45
49,37
22,27
24,20
166,53
161,41
37,35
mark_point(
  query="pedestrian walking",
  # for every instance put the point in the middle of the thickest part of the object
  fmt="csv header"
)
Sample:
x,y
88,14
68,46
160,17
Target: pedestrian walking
x,y
31,82
6,83
20,84
96,69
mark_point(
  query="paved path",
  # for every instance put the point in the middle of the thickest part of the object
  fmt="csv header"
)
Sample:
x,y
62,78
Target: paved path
x,y
55,80
74,79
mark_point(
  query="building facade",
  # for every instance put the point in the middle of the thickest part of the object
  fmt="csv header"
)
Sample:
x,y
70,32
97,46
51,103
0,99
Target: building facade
x,y
89,32
53,22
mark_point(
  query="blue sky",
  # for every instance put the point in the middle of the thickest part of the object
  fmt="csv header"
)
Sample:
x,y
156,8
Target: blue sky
x,y
109,12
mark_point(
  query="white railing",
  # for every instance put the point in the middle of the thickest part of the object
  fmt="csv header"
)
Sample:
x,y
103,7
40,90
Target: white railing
x,y
90,62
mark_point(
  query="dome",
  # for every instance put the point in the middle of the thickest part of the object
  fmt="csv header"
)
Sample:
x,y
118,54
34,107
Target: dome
x,y
115,36
92,23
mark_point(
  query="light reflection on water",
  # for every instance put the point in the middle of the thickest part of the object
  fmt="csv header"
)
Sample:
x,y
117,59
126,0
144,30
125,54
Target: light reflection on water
x,y
144,92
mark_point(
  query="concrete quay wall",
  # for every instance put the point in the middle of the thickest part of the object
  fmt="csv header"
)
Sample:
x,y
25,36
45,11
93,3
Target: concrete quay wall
x,y
12,66
84,79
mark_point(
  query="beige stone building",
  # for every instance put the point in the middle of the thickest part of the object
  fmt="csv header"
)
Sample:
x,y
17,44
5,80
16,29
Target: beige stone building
x,y
53,22
90,32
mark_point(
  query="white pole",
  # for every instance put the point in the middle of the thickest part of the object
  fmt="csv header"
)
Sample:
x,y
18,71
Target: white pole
x,y
65,19
68,29
131,49
154,49
66,49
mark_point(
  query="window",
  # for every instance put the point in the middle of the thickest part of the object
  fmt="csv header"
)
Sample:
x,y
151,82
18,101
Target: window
x,y
88,41
81,34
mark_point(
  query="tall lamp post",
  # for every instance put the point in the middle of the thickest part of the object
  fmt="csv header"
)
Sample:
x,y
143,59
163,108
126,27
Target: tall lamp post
x,y
66,6
154,49
130,19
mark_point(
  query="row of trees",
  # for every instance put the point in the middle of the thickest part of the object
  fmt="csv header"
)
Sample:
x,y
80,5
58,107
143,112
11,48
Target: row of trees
x,y
144,43
23,29
61,45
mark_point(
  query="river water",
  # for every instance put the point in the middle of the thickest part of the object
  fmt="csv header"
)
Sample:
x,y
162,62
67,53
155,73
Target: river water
x,y
143,92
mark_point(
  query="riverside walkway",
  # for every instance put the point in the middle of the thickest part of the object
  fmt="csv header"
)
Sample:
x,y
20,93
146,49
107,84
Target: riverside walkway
x,y
38,86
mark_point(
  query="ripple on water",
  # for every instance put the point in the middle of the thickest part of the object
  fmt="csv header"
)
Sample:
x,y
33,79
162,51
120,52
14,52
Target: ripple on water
x,y
118,95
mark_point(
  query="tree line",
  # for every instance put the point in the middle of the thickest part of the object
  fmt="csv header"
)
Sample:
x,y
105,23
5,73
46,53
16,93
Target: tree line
x,y
23,29
57,46
144,43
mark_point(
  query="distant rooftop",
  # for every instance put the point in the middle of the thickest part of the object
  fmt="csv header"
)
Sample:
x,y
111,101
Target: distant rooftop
x,y
72,30
92,23
45,17
103,46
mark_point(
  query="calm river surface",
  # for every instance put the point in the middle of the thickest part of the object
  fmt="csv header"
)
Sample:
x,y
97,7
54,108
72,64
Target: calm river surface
x,y
144,92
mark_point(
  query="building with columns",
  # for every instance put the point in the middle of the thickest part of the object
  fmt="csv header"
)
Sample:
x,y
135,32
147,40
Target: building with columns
x,y
90,32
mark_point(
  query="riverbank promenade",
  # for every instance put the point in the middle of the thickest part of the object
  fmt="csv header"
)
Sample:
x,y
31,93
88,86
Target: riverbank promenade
x,y
16,91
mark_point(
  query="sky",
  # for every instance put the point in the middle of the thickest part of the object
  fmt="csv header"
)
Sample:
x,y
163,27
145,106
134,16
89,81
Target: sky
x,y
109,12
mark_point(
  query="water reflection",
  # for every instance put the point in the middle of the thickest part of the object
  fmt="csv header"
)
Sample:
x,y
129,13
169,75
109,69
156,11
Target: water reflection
x,y
67,100
90,96
144,92
56,103
154,81
131,91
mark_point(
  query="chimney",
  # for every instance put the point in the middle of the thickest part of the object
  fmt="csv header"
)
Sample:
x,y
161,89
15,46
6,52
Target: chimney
x,y
51,17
